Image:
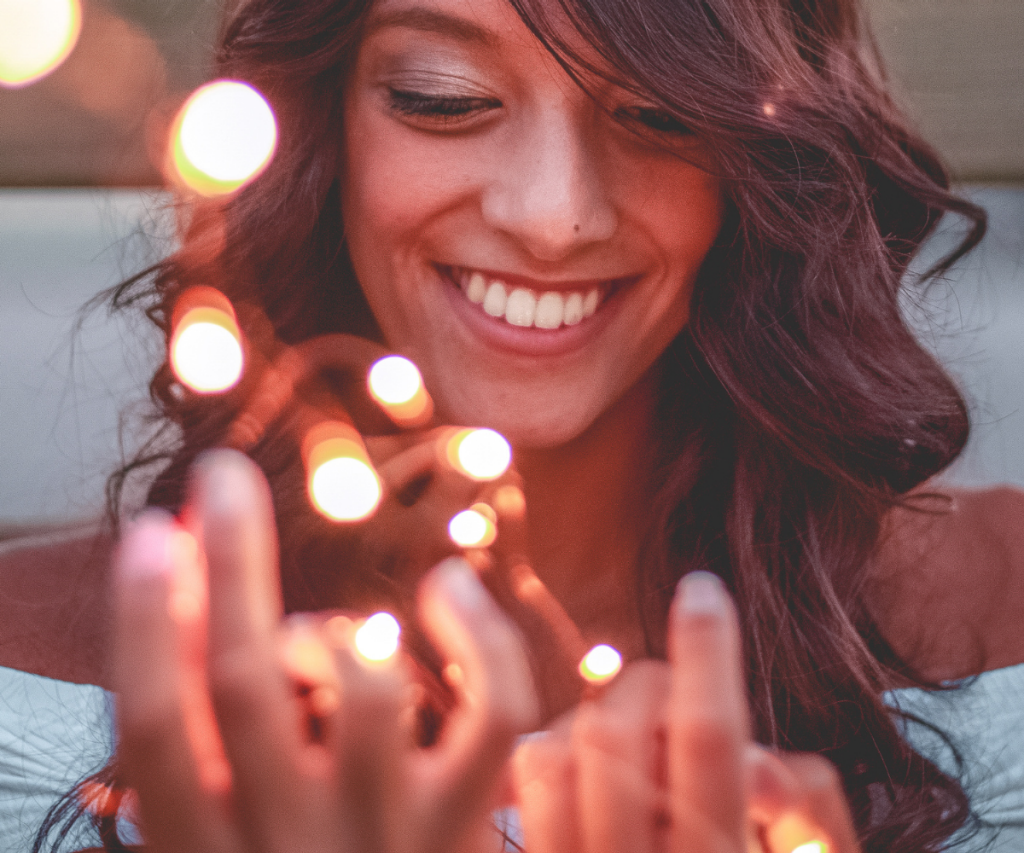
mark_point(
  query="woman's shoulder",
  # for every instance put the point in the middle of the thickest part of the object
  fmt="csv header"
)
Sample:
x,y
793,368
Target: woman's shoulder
x,y
54,604
948,589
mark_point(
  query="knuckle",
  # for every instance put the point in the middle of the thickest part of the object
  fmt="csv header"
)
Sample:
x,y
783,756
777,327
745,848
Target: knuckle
x,y
234,678
706,740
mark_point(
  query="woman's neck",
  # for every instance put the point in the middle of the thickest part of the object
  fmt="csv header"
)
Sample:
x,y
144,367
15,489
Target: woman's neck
x,y
586,502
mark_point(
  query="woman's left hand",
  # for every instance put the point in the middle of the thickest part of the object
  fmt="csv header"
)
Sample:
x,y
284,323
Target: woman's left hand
x,y
662,759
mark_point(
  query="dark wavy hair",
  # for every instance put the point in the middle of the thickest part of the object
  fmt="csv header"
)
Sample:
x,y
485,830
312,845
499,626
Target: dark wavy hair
x,y
797,407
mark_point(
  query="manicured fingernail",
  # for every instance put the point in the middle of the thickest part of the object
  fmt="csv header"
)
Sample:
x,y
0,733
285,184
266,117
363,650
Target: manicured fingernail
x,y
461,583
147,547
701,594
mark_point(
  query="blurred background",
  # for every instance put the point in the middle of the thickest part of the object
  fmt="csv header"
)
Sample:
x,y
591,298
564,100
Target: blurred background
x,y
82,208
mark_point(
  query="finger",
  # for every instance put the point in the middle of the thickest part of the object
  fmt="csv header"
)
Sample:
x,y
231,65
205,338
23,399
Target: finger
x,y
544,775
259,721
159,678
619,744
772,788
708,725
369,739
494,687
822,813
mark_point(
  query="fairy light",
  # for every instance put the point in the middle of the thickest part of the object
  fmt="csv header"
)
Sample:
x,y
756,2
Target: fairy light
x,y
36,36
396,384
342,484
473,527
376,640
812,847
223,138
481,454
206,345
601,663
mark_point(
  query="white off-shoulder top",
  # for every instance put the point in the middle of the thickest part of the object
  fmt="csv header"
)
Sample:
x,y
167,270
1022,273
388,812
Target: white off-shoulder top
x,y
52,734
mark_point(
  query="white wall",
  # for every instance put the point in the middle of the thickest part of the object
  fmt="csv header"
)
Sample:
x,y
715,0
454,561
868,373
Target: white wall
x,y
61,391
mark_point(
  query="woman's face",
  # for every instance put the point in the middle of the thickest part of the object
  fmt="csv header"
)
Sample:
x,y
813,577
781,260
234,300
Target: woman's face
x,y
531,254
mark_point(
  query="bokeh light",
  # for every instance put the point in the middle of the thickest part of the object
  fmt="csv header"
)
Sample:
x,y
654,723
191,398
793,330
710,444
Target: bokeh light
x,y
601,663
343,486
481,454
206,345
473,527
812,847
224,137
396,384
36,36
377,638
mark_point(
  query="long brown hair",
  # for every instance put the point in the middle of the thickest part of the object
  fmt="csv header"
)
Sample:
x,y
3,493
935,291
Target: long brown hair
x,y
797,408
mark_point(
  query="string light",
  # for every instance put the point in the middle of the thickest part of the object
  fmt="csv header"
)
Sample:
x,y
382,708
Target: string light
x,y
376,640
396,384
206,345
473,527
601,663
342,484
223,138
36,36
480,454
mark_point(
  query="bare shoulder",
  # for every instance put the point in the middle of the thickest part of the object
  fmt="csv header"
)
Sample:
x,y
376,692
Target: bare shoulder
x,y
54,604
948,592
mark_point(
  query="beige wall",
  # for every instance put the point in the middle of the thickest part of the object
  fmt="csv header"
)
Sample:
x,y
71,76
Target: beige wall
x,y
958,67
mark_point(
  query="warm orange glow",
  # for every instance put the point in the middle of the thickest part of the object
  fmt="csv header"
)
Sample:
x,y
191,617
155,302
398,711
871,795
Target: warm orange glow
x,y
769,110
342,483
473,527
223,138
206,346
396,384
377,638
36,36
812,847
481,454
601,663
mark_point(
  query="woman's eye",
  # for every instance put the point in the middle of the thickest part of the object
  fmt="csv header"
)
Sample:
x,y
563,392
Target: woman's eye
x,y
656,119
442,108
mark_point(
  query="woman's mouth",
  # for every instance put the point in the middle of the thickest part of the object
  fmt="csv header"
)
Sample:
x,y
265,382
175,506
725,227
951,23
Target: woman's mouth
x,y
529,307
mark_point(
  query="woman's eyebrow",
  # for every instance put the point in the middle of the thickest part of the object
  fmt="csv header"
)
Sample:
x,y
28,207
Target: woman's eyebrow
x,y
432,21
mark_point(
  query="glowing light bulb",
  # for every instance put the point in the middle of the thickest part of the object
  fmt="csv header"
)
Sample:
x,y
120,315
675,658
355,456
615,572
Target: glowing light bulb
x,y
812,847
224,137
600,664
342,483
473,527
377,638
396,384
206,346
345,489
36,36
481,454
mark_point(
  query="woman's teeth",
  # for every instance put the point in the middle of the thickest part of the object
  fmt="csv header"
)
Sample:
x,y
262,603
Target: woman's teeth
x,y
524,307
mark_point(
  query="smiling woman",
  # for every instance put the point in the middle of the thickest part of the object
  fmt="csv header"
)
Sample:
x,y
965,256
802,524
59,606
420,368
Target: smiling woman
x,y
660,247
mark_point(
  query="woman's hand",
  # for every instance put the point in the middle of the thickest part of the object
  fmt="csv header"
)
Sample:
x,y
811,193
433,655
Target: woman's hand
x,y
662,760
213,737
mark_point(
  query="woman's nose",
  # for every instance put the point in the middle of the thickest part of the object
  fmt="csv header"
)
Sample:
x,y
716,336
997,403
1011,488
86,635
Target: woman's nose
x,y
551,193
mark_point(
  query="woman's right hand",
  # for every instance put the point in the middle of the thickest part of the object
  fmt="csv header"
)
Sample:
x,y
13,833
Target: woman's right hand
x,y
213,738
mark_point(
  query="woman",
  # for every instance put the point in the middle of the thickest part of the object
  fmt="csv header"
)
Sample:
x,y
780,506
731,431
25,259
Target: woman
x,y
728,186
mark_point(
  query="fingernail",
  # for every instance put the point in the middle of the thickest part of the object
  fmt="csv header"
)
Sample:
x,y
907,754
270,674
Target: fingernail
x,y
701,594
146,550
223,481
461,583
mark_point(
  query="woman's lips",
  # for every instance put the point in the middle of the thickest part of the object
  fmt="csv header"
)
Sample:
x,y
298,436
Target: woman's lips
x,y
531,320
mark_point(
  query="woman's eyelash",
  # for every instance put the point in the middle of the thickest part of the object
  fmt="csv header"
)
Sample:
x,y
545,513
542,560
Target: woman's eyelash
x,y
419,104
656,119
